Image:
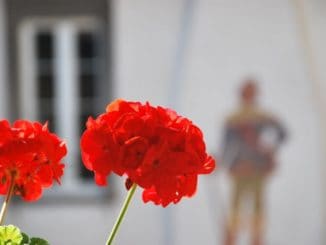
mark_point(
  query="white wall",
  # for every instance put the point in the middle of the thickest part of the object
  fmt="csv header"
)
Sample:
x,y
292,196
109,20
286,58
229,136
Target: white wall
x,y
228,39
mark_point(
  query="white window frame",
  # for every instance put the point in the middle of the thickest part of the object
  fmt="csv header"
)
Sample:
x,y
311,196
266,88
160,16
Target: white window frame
x,y
64,31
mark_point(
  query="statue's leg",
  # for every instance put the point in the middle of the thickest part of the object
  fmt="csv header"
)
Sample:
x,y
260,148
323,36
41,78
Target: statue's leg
x,y
234,218
258,216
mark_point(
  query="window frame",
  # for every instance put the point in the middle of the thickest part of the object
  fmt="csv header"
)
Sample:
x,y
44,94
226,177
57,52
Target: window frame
x,y
65,32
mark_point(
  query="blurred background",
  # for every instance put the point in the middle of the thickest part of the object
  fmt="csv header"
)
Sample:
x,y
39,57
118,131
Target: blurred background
x,y
62,60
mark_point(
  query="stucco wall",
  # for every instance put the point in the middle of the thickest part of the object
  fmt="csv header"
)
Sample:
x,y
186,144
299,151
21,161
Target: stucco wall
x,y
226,41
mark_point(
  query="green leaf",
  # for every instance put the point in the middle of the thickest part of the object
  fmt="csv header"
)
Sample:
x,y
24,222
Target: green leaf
x,y
10,235
38,241
25,239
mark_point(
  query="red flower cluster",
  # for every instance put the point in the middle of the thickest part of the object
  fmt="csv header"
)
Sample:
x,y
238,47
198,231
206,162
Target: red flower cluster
x,y
157,149
30,156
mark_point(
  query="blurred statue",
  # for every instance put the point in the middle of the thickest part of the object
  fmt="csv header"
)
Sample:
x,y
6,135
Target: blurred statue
x,y
251,140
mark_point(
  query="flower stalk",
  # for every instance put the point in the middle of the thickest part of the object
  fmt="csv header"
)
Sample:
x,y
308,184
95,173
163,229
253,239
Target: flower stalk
x,y
7,199
121,214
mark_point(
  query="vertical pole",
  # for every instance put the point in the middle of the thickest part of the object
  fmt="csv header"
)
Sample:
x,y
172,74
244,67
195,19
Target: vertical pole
x,y
174,92
178,62
314,77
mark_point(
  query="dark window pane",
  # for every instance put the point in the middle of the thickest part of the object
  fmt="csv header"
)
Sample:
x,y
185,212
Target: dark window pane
x,y
87,83
87,106
87,66
44,76
86,45
83,120
45,67
45,86
48,118
84,172
44,45
46,107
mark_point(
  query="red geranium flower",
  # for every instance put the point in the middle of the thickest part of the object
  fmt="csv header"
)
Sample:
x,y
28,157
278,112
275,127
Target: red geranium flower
x,y
154,147
31,157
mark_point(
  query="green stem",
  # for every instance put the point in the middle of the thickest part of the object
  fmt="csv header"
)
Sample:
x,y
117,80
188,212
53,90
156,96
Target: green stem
x,y
121,214
7,200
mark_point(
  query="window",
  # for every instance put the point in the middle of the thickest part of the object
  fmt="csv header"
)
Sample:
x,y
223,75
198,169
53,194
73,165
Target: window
x,y
62,66
61,75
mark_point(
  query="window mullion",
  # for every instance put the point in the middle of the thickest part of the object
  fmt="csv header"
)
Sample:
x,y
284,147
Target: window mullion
x,y
66,95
